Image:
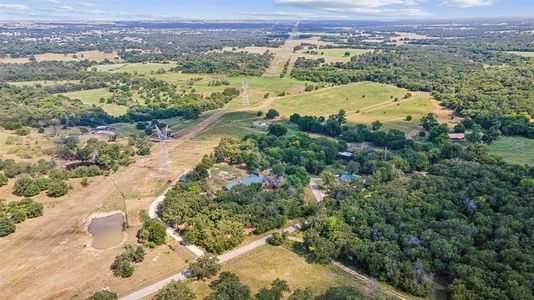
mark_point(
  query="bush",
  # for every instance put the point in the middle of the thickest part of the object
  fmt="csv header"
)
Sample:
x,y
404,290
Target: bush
x,y
272,113
175,290
278,238
6,227
103,295
122,266
25,186
84,182
3,179
57,188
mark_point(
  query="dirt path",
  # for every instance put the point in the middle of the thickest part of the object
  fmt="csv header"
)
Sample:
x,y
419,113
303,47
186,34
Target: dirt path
x,y
151,289
46,257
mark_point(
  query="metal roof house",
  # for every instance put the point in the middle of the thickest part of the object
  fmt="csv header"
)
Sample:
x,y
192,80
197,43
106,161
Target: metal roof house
x,y
248,181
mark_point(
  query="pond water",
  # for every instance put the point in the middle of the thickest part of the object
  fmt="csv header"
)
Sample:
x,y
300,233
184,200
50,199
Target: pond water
x,y
106,231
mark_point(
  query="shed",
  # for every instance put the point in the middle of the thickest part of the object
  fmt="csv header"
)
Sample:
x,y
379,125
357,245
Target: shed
x,y
345,154
457,136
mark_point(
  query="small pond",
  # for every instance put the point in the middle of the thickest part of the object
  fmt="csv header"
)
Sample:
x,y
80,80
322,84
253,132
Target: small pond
x,y
106,231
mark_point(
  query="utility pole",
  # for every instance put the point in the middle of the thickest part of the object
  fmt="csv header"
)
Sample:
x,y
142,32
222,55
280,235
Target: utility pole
x,y
164,161
245,101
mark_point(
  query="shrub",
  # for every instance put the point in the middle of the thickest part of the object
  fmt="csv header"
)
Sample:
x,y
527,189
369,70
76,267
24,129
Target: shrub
x,y
122,266
57,188
25,186
272,113
175,290
6,227
3,179
103,295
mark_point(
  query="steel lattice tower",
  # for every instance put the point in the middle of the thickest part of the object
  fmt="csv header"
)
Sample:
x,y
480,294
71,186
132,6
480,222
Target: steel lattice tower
x,y
164,161
245,101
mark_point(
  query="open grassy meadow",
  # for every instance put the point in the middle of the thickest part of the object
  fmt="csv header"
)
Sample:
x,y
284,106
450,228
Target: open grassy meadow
x,y
333,55
514,149
139,68
232,124
260,267
522,53
92,55
92,97
363,102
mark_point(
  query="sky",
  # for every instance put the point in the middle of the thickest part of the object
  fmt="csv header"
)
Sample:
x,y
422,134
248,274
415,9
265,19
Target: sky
x,y
261,9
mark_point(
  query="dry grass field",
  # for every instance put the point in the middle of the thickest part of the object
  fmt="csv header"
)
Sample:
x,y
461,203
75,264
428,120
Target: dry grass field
x,y
92,55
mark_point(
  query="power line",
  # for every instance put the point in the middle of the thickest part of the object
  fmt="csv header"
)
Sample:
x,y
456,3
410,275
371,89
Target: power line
x,y
164,161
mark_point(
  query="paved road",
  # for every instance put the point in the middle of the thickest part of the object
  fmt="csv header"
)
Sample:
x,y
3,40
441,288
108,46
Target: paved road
x,y
151,289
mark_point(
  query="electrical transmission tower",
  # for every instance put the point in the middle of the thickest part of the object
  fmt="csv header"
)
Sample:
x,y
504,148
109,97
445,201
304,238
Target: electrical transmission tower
x,y
164,161
245,101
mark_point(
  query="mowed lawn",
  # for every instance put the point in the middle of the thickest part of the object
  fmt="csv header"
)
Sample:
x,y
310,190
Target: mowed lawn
x,y
92,97
363,102
139,68
258,268
514,149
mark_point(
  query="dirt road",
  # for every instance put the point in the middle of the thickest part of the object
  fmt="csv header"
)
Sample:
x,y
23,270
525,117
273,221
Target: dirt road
x,y
47,257
186,273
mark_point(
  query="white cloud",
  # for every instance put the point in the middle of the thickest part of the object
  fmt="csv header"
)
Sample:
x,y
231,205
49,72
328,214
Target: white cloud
x,y
467,3
361,7
17,7
93,12
64,8
87,4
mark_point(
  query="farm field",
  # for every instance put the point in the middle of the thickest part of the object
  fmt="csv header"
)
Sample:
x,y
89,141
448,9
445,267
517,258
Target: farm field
x,y
260,267
92,97
514,149
363,102
139,68
93,55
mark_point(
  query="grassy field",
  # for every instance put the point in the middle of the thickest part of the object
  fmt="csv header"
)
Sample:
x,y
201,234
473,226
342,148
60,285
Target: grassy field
x,y
334,54
232,124
258,86
92,97
82,55
261,266
43,82
139,68
363,102
522,53
514,150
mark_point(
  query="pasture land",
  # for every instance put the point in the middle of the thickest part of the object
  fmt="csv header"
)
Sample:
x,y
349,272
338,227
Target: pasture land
x,y
258,268
232,124
333,55
43,83
92,97
522,53
92,55
363,102
514,149
138,68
